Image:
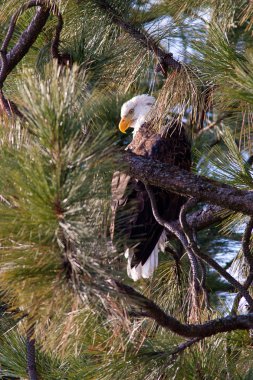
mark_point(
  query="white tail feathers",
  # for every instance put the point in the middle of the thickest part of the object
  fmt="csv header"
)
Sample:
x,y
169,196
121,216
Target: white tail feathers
x,y
146,270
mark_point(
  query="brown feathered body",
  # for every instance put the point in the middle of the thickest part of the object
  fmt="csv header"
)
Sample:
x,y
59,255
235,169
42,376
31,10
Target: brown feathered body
x,y
133,226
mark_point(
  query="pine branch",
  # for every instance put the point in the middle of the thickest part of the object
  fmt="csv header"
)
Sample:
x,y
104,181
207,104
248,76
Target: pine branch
x,y
166,60
183,182
153,311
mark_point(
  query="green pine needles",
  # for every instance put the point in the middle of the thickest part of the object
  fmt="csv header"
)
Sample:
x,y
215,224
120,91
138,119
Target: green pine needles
x,y
57,266
54,185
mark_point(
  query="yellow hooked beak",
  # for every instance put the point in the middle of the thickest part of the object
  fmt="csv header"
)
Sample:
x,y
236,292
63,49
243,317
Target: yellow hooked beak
x,y
124,124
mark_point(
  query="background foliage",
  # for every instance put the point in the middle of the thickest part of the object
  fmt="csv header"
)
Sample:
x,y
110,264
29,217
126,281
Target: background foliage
x,y
56,167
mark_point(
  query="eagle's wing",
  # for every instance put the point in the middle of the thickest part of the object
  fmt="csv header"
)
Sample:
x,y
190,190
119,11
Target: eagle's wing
x,y
133,226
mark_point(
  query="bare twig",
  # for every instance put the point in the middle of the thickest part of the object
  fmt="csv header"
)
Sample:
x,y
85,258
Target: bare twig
x,y
183,346
211,125
190,233
246,242
207,101
31,359
63,59
196,269
191,238
178,350
8,106
194,261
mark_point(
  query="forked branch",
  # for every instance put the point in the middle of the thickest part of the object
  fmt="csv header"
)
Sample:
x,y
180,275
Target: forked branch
x,y
9,60
192,247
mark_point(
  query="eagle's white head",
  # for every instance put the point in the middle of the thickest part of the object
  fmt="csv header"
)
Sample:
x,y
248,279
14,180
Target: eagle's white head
x,y
135,111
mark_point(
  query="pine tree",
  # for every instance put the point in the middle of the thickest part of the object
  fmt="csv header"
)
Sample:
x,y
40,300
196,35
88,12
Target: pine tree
x,y
67,309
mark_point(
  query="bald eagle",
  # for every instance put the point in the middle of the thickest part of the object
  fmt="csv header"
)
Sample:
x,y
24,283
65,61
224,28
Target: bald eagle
x,y
133,226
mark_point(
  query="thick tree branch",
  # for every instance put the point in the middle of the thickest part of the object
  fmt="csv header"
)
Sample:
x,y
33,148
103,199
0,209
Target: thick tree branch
x,y
152,310
180,181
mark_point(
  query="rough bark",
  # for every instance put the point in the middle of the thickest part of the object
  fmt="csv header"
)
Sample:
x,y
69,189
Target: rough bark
x,y
206,216
185,183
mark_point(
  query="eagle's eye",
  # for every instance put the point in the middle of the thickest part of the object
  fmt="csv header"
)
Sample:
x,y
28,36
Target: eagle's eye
x,y
131,111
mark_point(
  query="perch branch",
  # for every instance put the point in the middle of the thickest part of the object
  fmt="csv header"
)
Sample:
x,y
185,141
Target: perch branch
x,y
183,182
